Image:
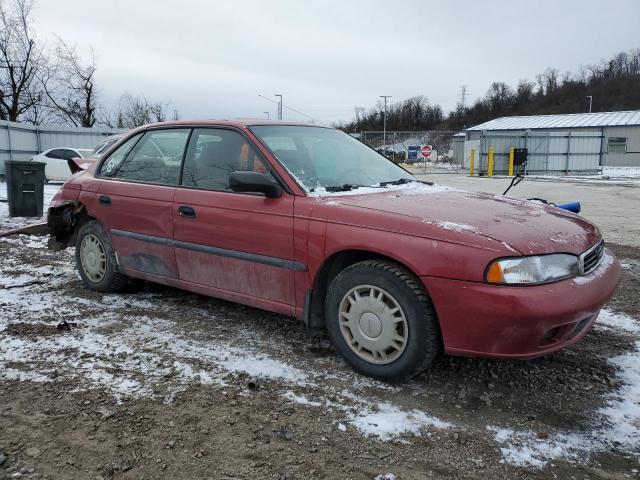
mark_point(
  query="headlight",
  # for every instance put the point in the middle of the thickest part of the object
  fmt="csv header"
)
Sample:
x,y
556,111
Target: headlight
x,y
532,270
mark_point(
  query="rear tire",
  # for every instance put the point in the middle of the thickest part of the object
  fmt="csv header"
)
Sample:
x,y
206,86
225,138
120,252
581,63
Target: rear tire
x,y
96,259
381,320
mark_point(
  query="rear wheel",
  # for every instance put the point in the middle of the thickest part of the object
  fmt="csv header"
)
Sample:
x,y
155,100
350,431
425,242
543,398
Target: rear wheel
x,y
96,259
381,320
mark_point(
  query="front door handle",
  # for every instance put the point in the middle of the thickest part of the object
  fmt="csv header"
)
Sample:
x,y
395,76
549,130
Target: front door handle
x,y
104,200
186,211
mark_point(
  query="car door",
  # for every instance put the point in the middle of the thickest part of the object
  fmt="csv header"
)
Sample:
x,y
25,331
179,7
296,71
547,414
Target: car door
x,y
134,200
56,167
238,245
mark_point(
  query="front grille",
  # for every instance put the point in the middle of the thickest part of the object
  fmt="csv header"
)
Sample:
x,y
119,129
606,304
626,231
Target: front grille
x,y
590,259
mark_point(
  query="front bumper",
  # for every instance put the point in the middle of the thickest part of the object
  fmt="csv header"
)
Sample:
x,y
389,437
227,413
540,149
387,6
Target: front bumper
x,y
520,322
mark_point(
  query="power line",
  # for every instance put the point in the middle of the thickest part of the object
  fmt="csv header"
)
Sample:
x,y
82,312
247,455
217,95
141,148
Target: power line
x,y
315,120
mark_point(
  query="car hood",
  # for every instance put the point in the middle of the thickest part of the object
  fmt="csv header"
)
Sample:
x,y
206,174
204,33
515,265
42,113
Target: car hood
x,y
484,220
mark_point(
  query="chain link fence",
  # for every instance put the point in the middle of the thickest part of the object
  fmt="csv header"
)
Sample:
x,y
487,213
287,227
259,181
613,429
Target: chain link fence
x,y
447,147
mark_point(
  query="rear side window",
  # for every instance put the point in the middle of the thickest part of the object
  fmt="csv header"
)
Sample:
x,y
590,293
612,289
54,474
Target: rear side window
x,y
110,165
57,153
68,154
156,158
214,154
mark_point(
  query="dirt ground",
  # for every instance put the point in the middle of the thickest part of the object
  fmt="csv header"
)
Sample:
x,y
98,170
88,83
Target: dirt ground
x,y
160,383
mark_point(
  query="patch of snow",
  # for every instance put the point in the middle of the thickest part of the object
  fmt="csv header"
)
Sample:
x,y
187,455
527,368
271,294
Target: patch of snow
x,y
617,321
387,421
342,427
386,476
301,399
263,367
618,422
621,172
412,188
509,247
452,226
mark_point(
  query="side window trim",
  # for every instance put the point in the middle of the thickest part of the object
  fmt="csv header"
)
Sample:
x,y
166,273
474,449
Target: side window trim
x,y
184,156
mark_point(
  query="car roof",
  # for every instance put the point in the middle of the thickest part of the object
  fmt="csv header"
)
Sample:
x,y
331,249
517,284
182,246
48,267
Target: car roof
x,y
237,122
65,148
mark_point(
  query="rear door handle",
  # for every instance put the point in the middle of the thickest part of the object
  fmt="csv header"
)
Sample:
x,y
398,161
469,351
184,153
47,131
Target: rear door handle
x,y
186,211
104,200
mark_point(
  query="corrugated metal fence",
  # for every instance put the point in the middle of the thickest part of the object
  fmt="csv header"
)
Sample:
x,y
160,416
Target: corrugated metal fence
x,y
547,153
20,141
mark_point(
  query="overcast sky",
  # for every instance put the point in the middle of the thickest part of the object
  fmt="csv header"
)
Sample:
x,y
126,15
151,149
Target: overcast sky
x,y
211,59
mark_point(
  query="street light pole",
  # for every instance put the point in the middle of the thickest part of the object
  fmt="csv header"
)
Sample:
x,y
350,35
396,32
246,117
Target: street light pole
x,y
590,97
279,105
384,125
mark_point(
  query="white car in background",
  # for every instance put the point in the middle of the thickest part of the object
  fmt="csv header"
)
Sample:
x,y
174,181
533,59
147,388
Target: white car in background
x,y
56,161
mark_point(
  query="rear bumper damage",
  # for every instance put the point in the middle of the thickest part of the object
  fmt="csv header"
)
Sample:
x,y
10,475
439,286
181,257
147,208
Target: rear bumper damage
x,y
62,220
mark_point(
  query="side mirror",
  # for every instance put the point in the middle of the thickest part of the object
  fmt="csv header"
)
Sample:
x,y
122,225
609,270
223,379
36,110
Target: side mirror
x,y
254,182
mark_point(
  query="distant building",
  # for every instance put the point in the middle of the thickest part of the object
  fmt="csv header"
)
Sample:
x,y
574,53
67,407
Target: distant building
x,y
556,144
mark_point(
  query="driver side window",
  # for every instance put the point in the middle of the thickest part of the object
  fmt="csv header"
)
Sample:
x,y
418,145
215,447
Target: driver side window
x,y
214,154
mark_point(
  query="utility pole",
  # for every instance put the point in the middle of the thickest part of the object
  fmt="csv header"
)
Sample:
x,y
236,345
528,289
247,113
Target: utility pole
x,y
279,105
384,125
268,116
463,96
590,97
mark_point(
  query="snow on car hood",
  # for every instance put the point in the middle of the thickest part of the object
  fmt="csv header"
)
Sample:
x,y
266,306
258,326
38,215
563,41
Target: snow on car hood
x,y
479,219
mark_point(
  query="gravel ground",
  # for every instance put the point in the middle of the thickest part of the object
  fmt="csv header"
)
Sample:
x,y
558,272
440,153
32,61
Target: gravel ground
x,y
160,383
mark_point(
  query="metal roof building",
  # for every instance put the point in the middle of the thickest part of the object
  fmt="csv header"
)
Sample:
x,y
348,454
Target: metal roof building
x,y
571,120
571,143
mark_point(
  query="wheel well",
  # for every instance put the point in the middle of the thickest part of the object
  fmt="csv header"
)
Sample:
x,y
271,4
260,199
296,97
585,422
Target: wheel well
x,y
314,315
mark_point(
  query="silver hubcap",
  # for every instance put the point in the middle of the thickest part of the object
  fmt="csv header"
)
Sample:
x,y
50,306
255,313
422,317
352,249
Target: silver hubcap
x,y
93,258
373,324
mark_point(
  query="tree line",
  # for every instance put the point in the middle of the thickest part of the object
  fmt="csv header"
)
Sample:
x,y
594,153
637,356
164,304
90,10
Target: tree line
x,y
613,84
54,85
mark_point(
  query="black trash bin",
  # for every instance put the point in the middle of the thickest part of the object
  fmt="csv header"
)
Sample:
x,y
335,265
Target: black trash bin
x,y
25,188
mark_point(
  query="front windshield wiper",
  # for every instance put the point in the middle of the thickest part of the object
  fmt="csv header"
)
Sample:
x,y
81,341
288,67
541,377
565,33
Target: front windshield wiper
x,y
400,181
342,188
347,187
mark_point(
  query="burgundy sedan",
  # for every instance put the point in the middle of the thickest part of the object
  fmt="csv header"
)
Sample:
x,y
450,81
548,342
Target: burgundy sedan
x,y
307,221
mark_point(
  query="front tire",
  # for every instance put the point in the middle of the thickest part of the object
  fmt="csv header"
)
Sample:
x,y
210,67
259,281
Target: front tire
x,y
96,259
381,320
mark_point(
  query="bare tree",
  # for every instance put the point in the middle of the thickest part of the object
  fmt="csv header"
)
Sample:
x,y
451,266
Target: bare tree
x,y
70,87
134,111
20,61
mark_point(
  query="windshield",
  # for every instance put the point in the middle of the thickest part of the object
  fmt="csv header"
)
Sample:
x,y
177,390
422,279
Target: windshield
x,y
324,159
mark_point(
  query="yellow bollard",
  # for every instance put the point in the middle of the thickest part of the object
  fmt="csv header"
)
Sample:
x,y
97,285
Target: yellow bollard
x,y
490,166
472,160
511,156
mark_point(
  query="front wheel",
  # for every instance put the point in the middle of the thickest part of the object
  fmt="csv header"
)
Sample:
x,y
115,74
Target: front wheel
x,y
381,320
96,259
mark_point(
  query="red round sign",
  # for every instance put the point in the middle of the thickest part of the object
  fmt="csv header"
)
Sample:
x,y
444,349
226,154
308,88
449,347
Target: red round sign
x,y
426,150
